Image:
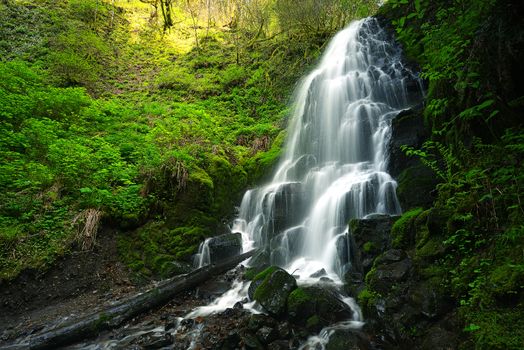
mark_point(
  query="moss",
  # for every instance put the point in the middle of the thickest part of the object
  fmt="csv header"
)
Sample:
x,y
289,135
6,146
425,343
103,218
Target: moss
x,y
274,290
507,280
367,298
263,162
431,250
154,246
415,185
265,273
369,247
402,232
298,297
313,323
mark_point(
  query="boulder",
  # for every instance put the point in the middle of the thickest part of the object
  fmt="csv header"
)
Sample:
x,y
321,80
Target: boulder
x,y
346,339
407,128
225,246
315,307
284,246
370,237
272,293
283,207
384,277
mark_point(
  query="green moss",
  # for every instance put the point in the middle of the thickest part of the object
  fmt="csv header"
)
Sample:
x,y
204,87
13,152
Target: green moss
x,y
507,280
367,298
431,250
297,298
402,232
262,275
313,322
369,247
155,247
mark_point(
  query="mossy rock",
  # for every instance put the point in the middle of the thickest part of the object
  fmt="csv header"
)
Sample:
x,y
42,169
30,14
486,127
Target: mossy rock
x,y
415,185
315,307
273,292
432,249
155,247
403,230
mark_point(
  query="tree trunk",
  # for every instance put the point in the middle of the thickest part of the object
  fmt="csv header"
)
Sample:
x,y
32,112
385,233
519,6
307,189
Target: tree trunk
x,y
115,315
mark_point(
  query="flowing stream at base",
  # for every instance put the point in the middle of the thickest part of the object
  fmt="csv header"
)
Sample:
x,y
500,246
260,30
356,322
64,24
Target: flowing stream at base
x,y
334,165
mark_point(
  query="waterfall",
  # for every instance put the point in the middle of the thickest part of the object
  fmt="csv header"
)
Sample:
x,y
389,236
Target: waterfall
x,y
334,165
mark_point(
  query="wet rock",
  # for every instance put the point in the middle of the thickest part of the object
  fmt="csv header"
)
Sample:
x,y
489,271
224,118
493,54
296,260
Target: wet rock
x,y
288,196
155,340
315,307
283,330
439,339
225,246
267,334
238,305
326,280
279,345
273,292
390,256
257,321
370,237
346,339
260,260
407,128
284,246
384,277
319,273
249,340
231,341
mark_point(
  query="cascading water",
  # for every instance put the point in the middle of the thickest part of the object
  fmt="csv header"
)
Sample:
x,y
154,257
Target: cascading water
x,y
335,163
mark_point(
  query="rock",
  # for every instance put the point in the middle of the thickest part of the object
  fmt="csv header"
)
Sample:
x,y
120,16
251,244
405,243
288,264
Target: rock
x,y
225,246
384,277
370,237
390,256
438,338
260,260
155,340
257,321
326,280
278,203
249,340
407,128
283,330
284,246
274,290
279,345
346,339
319,273
316,307
267,334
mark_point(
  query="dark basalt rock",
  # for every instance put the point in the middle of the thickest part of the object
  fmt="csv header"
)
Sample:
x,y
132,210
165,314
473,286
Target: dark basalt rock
x,y
225,246
347,339
274,290
315,307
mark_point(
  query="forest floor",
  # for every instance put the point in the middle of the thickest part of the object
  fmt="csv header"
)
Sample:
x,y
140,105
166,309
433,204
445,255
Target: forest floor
x,y
77,283
83,283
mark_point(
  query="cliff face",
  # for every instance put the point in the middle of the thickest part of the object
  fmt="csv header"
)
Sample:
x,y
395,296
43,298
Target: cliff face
x,y
450,272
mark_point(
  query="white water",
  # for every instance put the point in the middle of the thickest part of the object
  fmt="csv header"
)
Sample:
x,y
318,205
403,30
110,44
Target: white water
x,y
335,163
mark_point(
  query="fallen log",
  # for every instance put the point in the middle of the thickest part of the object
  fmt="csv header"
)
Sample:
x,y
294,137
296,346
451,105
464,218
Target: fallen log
x,y
115,315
